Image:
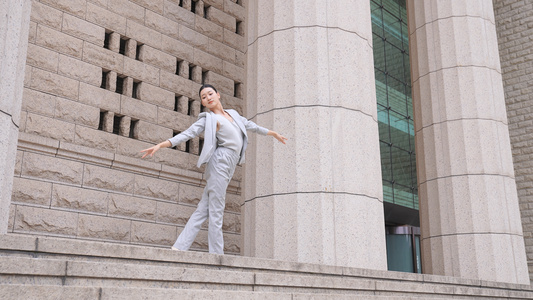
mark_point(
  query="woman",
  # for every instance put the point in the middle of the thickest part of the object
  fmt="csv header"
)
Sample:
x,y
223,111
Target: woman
x,y
225,142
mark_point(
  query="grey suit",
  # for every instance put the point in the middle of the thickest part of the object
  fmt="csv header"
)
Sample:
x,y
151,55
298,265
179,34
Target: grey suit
x,y
221,163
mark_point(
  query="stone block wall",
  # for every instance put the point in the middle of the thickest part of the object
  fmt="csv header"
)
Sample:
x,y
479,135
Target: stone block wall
x,y
104,80
514,22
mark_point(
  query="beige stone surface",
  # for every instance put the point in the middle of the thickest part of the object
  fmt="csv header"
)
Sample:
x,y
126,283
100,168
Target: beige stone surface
x,y
208,28
108,179
161,24
82,29
51,168
153,234
46,15
143,34
138,109
177,48
175,214
75,7
79,199
176,84
157,58
79,70
76,112
141,71
42,58
131,207
156,188
45,221
193,38
31,191
94,138
128,9
105,18
178,14
104,228
104,58
149,132
219,17
54,84
98,97
152,5
57,41
38,102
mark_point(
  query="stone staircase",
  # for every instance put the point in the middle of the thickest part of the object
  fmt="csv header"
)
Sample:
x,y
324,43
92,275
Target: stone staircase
x,y
37,267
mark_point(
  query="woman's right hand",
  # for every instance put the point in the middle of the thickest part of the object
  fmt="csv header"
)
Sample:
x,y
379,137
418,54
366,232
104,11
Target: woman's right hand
x,y
150,151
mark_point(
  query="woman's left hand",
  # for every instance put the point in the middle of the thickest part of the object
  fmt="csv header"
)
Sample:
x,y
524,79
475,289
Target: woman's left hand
x,y
278,136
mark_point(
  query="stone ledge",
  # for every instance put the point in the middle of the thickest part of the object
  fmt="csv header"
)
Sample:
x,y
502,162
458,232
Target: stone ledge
x,y
140,265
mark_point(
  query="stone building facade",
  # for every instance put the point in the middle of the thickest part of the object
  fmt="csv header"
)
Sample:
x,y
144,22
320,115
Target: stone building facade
x,y
105,79
514,20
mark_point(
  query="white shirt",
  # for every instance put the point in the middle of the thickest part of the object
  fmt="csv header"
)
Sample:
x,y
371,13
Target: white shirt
x,y
229,135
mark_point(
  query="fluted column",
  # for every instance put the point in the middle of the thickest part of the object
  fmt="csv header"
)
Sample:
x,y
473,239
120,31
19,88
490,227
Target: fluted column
x,y
310,76
14,28
469,213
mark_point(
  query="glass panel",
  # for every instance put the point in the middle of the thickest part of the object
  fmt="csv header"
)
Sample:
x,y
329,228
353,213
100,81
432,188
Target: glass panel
x,y
393,30
396,94
394,61
386,168
388,194
383,123
401,168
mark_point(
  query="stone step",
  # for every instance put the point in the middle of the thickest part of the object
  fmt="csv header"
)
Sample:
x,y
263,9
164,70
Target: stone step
x,y
52,292
81,266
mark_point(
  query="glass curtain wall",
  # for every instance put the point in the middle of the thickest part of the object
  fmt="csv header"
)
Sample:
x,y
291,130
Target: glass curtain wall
x,y
395,105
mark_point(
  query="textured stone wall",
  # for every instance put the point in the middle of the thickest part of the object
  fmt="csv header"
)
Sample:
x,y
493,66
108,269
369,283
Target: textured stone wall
x,y
105,79
514,22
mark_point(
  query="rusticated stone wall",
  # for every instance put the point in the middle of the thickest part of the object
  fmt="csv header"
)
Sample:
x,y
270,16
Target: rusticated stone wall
x,y
105,79
514,22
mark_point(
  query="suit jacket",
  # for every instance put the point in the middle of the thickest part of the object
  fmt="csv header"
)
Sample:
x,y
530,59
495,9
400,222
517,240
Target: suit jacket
x,y
207,123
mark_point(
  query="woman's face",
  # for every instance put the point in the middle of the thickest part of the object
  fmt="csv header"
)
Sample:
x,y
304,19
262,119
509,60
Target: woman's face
x,y
210,98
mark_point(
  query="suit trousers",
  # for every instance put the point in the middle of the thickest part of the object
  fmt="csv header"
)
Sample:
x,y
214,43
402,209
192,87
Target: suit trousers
x,y
218,173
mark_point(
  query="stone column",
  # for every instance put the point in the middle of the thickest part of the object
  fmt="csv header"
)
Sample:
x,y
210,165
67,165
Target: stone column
x,y
469,213
14,28
310,76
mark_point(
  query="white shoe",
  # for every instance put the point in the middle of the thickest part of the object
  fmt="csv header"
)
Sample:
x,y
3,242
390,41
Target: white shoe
x,y
174,248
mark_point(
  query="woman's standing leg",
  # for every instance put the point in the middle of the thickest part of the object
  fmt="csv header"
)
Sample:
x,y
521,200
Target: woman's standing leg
x,y
226,161
198,217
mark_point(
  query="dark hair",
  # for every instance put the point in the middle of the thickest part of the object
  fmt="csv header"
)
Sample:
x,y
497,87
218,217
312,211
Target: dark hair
x,y
204,86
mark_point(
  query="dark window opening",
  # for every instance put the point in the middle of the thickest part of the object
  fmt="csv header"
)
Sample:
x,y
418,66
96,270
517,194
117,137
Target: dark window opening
x,y
176,102
206,11
135,92
106,39
133,128
237,90
189,109
122,49
116,124
204,76
178,66
180,3
138,52
120,85
193,7
191,71
104,79
102,119
239,28
201,145
188,146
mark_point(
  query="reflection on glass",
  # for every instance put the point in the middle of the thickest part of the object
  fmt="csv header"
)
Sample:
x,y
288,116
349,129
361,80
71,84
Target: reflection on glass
x,y
395,108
